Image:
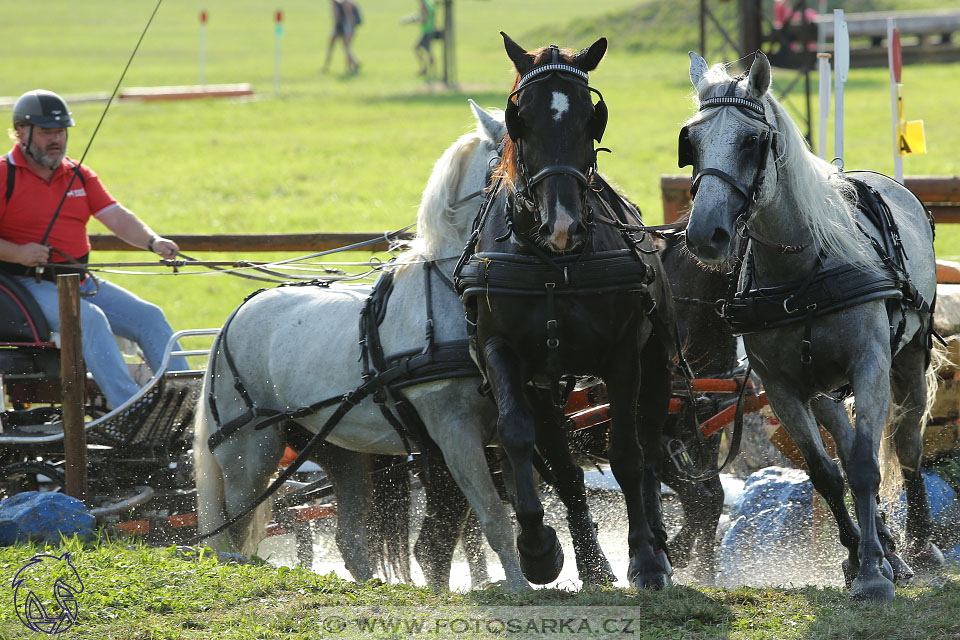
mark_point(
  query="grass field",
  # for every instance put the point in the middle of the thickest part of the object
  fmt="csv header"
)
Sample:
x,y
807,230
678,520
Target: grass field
x,y
156,594
333,152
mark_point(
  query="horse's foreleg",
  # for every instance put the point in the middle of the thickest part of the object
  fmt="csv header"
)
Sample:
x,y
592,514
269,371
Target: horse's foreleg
x,y
702,505
592,564
649,567
444,514
248,459
653,408
825,474
349,472
473,548
909,390
871,387
468,464
541,555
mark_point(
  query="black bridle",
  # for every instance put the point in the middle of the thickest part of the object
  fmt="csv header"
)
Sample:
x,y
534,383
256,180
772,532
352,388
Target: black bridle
x,y
754,110
525,195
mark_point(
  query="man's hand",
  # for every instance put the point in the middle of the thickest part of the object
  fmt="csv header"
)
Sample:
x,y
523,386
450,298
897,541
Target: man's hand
x,y
163,247
32,254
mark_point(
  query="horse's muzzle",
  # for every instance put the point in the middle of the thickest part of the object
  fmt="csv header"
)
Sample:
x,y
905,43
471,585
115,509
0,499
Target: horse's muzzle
x,y
710,243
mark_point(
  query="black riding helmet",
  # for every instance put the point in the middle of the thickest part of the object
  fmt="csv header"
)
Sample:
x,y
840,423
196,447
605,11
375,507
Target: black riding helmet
x,y
42,108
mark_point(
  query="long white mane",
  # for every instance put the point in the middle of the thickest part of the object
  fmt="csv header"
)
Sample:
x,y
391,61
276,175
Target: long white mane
x,y
825,200
442,225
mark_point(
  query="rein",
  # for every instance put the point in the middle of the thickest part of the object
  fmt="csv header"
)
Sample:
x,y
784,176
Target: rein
x,y
76,168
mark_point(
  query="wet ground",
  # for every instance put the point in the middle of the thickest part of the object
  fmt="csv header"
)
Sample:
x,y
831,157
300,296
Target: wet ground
x,y
817,563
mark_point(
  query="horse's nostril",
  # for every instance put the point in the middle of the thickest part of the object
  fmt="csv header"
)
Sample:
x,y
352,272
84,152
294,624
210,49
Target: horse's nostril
x,y
720,238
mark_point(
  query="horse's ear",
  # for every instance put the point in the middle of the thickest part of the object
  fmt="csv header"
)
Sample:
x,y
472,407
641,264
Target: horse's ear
x,y
522,61
493,129
698,67
588,59
759,81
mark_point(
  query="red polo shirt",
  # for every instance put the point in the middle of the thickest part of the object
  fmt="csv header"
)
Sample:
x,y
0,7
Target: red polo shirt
x,y
25,217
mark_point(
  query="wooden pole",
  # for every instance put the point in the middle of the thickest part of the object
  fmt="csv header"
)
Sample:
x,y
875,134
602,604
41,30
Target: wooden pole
x,y
71,382
449,52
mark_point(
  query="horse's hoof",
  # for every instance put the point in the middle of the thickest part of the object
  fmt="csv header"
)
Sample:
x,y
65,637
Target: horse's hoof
x,y
654,582
930,561
902,573
886,570
664,561
505,585
542,566
654,577
879,589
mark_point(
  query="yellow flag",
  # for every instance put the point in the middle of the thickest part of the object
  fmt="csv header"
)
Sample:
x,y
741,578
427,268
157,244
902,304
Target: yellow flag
x,y
911,138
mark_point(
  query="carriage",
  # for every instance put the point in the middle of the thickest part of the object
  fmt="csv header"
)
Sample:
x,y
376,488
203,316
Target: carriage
x,y
139,465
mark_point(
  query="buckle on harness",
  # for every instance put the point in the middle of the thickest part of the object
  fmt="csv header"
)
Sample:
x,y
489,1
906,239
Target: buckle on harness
x,y
805,357
679,456
552,342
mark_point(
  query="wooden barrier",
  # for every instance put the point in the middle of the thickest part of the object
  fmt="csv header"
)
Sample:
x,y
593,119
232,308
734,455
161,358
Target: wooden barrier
x,y
940,194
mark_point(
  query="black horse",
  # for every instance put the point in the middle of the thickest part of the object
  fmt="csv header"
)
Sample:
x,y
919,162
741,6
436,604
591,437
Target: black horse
x,y
710,350
557,284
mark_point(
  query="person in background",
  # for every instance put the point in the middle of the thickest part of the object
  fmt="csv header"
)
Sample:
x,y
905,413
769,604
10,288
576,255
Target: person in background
x,y
346,18
428,33
36,176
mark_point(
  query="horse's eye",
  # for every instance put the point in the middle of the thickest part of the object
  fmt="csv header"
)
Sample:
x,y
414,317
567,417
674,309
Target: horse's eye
x,y
750,141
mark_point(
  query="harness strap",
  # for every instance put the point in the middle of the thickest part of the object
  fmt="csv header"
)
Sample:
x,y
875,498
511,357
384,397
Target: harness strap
x,y
11,175
348,402
735,439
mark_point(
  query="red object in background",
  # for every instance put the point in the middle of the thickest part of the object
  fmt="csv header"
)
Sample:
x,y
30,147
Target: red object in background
x,y
897,56
203,17
279,16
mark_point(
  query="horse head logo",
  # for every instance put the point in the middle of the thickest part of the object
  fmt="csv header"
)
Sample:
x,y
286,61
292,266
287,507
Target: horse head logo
x,y
45,593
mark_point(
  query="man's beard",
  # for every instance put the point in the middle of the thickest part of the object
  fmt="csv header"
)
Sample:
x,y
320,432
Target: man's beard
x,y
50,161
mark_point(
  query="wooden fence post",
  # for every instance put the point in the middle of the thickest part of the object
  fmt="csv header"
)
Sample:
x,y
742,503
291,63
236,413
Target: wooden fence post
x,y
72,376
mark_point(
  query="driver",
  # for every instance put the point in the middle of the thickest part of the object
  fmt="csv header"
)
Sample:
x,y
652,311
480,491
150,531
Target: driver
x,y
34,179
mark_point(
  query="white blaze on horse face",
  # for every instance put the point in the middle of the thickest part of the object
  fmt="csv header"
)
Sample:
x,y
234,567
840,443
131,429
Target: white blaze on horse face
x,y
559,105
561,229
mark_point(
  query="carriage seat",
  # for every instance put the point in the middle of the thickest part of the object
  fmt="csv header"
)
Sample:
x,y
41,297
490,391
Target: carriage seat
x,y
20,318
26,345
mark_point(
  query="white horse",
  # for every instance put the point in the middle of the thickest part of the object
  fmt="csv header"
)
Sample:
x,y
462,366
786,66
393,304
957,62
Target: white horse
x,y
819,310
294,346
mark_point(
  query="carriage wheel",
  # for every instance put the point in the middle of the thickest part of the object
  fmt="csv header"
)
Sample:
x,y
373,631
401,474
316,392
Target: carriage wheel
x,y
32,476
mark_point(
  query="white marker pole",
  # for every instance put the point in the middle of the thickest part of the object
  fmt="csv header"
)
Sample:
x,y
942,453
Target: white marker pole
x,y
823,62
276,52
894,60
203,48
841,66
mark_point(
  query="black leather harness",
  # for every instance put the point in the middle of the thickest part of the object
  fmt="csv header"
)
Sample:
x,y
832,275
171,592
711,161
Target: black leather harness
x,y
384,376
751,309
586,273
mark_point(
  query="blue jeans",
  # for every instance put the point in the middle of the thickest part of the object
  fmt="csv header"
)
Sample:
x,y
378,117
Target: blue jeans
x,y
113,310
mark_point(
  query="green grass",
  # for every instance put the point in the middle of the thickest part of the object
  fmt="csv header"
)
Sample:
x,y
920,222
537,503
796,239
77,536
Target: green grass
x,y
139,593
339,153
